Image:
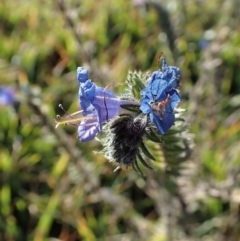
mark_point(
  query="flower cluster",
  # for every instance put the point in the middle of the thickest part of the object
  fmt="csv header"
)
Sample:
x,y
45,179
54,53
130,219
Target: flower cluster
x,y
129,120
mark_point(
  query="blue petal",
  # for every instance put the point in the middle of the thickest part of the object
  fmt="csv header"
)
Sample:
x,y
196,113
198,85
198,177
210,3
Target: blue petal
x,y
144,104
157,87
89,89
170,74
106,108
104,92
87,130
156,90
82,75
161,87
155,75
105,113
85,103
86,95
163,125
145,108
174,100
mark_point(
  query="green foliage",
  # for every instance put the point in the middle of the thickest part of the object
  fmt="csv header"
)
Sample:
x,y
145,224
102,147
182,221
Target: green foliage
x,y
53,186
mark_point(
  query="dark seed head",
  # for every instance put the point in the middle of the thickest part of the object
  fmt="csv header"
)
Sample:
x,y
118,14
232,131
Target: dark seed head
x,y
128,134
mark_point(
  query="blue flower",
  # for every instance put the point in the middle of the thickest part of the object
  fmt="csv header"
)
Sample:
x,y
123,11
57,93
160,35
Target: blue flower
x,y
98,105
7,96
160,97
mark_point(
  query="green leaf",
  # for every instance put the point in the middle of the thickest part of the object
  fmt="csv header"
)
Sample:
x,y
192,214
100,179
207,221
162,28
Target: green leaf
x,y
151,135
137,168
131,107
146,152
141,159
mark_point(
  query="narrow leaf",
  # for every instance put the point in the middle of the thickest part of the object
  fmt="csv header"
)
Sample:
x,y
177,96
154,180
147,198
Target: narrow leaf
x,y
143,161
153,137
136,167
146,151
134,108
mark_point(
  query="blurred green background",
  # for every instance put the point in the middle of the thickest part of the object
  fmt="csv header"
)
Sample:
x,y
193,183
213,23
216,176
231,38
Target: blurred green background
x,y
55,188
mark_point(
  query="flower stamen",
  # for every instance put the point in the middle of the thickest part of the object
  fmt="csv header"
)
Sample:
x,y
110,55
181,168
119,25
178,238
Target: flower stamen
x,y
159,58
71,119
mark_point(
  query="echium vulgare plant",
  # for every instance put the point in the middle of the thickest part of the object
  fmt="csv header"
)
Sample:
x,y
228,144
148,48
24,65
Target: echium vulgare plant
x,y
146,112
